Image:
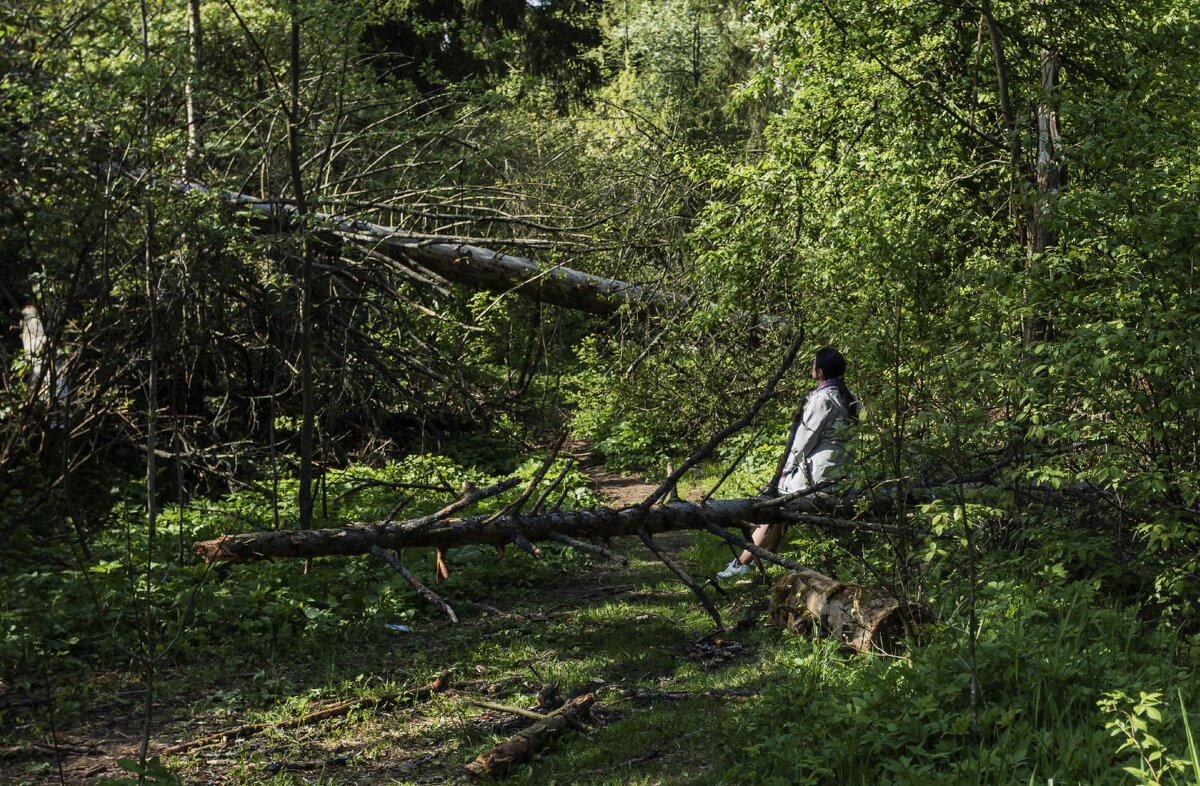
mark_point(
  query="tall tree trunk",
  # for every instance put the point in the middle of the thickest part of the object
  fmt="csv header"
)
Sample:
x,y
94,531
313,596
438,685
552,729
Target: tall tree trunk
x,y
150,641
1039,325
1012,132
195,43
306,290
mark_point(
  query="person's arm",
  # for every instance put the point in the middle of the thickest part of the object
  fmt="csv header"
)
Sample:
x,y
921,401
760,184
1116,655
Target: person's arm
x,y
772,486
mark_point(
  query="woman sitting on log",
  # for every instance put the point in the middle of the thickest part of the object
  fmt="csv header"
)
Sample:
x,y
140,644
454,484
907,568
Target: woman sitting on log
x,y
814,450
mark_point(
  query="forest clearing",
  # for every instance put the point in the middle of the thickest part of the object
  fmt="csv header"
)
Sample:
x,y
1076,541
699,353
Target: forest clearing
x,y
598,392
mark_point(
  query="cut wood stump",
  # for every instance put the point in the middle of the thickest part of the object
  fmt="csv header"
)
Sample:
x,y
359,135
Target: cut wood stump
x,y
862,619
525,744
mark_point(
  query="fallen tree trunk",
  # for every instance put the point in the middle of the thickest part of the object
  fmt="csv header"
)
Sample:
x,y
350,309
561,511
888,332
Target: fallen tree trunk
x,y
359,538
861,618
469,265
483,268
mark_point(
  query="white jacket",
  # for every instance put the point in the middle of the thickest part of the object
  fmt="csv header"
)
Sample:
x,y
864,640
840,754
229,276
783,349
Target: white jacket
x,y
818,446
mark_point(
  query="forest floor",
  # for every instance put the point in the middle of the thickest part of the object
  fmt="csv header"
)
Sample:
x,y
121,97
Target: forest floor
x,y
532,634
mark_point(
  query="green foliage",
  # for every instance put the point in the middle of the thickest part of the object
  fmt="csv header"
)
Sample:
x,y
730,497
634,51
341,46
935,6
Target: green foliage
x,y
853,169
1131,723
458,44
99,610
1049,660
678,61
875,209
629,437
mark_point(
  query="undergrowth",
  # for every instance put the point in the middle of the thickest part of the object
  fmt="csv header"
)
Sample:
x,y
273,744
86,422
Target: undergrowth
x,y
1077,682
119,604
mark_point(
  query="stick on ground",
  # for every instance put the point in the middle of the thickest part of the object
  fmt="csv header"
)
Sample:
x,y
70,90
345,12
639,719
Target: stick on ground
x,y
522,746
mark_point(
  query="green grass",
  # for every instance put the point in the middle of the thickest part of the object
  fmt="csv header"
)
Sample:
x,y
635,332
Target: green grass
x,y
780,709
765,706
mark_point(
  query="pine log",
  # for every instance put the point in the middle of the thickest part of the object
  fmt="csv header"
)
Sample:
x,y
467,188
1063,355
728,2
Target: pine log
x,y
860,618
524,745
360,537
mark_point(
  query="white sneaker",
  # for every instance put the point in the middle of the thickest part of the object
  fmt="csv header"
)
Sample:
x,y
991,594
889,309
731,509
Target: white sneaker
x,y
734,569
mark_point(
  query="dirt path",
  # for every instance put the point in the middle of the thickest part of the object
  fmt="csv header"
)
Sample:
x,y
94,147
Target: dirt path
x,y
618,490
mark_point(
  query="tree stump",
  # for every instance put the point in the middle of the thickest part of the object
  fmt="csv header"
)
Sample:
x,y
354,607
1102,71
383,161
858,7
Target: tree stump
x,y
862,619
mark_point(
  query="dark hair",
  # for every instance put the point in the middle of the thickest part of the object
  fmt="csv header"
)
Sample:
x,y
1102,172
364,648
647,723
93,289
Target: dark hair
x,y
833,366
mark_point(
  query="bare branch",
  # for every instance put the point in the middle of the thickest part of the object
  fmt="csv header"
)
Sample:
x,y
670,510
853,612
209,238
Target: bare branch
x,y
684,576
394,562
703,453
590,548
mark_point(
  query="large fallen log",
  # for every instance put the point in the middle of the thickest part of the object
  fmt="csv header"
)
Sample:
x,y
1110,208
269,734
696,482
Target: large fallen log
x,y
860,618
359,538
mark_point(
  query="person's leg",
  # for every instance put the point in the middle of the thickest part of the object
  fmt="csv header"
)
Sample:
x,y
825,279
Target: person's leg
x,y
766,536
771,538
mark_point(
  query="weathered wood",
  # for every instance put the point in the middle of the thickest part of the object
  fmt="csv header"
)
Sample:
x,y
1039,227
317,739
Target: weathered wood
x,y
524,745
861,618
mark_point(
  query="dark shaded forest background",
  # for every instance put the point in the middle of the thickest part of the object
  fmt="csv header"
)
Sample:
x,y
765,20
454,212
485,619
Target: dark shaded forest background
x,y
993,210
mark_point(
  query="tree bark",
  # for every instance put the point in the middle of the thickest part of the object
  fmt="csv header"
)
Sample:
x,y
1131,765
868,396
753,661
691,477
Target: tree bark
x,y
861,618
307,405
1048,174
361,537
195,46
